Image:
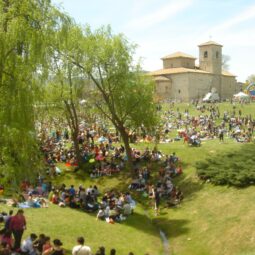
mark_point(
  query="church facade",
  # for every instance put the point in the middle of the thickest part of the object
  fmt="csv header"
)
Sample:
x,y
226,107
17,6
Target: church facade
x,y
181,80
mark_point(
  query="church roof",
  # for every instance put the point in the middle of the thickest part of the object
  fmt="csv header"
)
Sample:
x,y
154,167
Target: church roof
x,y
161,78
176,70
227,73
209,43
166,71
178,54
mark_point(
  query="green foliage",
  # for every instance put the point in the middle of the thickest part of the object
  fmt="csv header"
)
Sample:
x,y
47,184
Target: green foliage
x,y
251,79
236,168
27,31
125,95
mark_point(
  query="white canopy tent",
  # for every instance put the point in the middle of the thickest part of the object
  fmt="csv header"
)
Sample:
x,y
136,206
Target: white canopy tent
x,y
241,95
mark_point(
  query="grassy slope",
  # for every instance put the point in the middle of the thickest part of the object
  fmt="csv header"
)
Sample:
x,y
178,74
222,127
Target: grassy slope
x,y
211,219
136,234
67,224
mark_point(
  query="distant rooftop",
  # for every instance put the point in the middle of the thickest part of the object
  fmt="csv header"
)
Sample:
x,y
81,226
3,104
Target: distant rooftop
x,y
178,54
161,78
159,73
176,70
209,43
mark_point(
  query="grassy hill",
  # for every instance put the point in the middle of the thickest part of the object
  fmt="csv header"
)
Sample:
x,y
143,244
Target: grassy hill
x,y
211,220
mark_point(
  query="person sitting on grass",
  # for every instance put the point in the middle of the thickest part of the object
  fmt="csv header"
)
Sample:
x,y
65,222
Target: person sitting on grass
x,y
27,245
113,252
47,246
80,248
101,251
57,248
38,244
5,249
7,238
101,214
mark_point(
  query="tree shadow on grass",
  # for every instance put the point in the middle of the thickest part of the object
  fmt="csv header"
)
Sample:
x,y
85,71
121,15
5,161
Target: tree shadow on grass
x,y
189,186
172,227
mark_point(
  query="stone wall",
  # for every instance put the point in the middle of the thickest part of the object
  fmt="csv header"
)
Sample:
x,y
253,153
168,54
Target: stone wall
x,y
194,86
179,62
163,89
229,87
180,87
199,85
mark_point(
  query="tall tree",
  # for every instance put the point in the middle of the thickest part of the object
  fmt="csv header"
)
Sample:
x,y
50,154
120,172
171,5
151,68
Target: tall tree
x,y
67,83
123,93
26,28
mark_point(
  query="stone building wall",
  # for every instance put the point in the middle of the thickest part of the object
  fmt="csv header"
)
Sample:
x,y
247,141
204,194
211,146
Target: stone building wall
x,y
180,87
163,89
178,62
229,87
199,85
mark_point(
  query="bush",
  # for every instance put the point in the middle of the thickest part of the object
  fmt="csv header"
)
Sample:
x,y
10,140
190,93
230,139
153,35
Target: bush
x,y
233,168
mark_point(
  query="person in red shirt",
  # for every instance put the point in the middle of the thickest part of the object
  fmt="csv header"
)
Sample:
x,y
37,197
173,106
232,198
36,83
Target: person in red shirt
x,y
17,226
7,238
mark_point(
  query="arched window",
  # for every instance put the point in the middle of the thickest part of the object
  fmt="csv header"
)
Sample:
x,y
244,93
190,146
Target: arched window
x,y
217,54
205,54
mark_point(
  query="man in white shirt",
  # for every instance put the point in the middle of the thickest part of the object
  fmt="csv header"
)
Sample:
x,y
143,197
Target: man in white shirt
x,y
27,245
81,249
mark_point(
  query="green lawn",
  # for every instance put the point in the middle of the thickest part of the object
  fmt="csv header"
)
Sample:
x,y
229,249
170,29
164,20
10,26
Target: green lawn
x,y
211,219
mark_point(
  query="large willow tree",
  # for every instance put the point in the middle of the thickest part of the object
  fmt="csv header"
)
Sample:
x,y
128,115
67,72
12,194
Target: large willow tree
x,y
27,28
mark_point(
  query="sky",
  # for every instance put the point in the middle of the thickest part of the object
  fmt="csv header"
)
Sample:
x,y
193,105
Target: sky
x,y
161,27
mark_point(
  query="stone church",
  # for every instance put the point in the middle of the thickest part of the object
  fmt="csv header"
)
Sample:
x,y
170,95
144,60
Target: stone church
x,y
181,80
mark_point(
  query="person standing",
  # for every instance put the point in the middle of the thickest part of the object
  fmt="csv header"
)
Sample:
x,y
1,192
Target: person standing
x,y
157,202
156,197
17,226
81,249
221,134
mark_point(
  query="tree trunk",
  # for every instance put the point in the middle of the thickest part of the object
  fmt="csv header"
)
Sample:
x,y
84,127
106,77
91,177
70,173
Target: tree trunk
x,y
74,126
125,138
77,147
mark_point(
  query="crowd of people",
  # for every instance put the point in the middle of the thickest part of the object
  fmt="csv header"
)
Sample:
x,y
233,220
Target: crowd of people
x,y
209,123
160,187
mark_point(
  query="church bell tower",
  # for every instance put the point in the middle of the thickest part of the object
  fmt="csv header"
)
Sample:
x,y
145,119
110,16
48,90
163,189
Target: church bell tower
x,y
210,57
